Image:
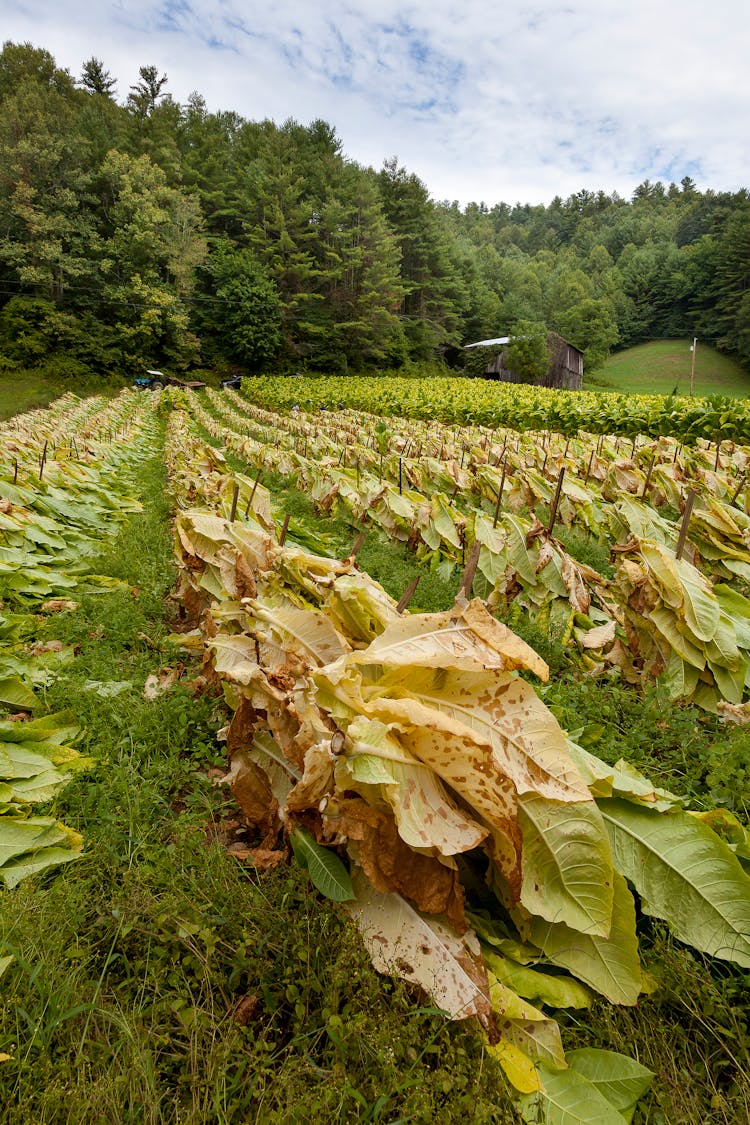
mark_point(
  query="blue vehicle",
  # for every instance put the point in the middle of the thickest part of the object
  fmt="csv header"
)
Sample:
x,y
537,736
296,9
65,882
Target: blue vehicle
x,y
151,381
155,380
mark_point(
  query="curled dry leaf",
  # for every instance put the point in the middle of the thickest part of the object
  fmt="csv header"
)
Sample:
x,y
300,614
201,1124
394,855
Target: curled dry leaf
x,y
46,646
736,713
246,1010
600,636
159,682
58,605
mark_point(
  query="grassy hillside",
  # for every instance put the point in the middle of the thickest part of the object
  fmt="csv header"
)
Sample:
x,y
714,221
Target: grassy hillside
x,y
25,392
661,365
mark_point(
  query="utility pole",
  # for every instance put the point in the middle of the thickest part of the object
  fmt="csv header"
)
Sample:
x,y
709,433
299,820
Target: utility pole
x,y
692,364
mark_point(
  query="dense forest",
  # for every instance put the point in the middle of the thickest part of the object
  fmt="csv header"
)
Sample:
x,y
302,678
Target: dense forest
x,y
141,232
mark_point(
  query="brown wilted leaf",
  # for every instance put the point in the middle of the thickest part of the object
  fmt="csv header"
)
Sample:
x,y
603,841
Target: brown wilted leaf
x,y
391,865
246,1010
159,682
197,686
253,793
244,578
245,721
46,646
58,605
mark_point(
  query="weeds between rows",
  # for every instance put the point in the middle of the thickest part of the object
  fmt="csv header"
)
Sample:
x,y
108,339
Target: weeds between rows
x,y
155,980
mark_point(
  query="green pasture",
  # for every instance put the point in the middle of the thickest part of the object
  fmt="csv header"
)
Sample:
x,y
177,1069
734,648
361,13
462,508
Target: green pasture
x,y
662,366
27,391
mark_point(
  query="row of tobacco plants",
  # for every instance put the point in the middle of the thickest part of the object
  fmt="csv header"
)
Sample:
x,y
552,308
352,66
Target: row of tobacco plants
x,y
148,973
408,759
483,852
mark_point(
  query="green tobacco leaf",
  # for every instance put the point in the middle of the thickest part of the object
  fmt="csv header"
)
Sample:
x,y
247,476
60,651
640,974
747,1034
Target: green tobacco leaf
x,y
620,1079
35,862
620,780
531,1031
609,965
568,1099
701,607
555,991
736,607
15,692
567,863
680,678
324,867
18,835
40,788
57,728
685,875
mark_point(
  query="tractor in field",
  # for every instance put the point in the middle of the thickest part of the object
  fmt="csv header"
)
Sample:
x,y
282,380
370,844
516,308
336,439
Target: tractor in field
x,y
155,380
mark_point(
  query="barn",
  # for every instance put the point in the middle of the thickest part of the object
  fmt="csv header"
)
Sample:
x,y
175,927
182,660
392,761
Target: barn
x,y
565,363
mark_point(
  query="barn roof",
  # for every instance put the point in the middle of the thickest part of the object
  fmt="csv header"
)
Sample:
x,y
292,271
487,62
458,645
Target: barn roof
x,y
489,343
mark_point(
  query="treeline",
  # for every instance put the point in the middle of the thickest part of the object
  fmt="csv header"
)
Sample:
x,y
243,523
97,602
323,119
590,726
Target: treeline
x,y
143,232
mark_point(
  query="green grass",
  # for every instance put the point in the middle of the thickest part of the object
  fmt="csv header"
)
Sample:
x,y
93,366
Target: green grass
x,y
134,965
24,392
29,390
663,365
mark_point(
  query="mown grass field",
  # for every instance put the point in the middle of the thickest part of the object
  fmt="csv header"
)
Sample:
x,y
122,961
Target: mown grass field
x,y
159,980
663,366
19,393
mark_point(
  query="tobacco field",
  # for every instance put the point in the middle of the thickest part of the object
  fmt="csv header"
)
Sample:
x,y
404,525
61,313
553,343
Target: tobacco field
x,y
461,671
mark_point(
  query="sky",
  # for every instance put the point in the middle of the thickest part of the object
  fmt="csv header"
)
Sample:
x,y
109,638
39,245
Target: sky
x,y
485,102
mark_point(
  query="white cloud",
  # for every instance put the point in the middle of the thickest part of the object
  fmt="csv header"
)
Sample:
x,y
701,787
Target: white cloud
x,y
493,103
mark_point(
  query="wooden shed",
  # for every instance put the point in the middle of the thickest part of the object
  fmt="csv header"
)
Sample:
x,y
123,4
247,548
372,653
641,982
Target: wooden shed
x,y
565,363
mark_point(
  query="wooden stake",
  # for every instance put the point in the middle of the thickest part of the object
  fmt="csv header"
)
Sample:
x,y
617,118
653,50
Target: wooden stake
x,y
588,467
252,493
648,474
399,476
500,494
284,529
235,498
467,580
15,471
685,523
555,502
408,594
357,545
718,450
736,491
